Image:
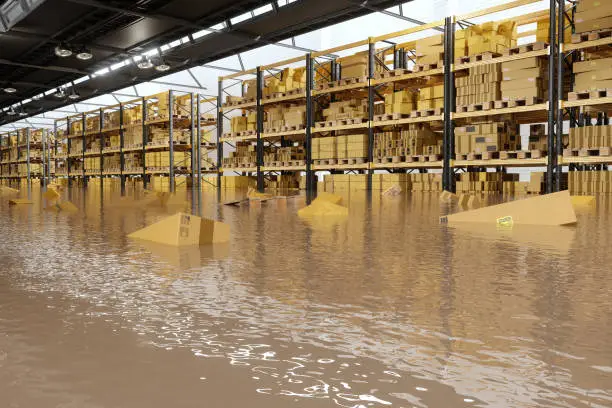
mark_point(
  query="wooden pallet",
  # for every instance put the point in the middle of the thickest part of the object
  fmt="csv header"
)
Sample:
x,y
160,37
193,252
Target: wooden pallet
x,y
477,58
423,158
476,107
478,156
427,113
247,133
536,46
513,103
325,162
391,116
591,36
292,128
596,94
392,73
520,154
340,83
274,96
241,102
350,161
330,123
297,91
350,121
588,152
427,67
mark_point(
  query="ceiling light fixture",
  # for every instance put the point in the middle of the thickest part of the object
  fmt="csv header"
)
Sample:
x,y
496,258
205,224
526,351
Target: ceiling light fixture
x,y
163,67
63,51
145,64
12,112
60,94
74,95
10,89
84,54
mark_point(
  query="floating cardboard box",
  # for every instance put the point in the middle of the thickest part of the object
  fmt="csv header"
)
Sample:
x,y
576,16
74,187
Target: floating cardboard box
x,y
448,197
551,209
67,206
583,201
184,229
329,197
51,195
20,201
320,208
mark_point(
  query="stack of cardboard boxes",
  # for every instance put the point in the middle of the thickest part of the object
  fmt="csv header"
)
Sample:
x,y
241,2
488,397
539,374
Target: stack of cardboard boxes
x,y
483,182
431,97
430,50
538,138
483,84
348,109
92,165
245,155
401,102
283,182
162,159
491,37
416,140
590,182
347,146
290,115
425,182
486,137
133,161
593,15
524,78
593,75
590,137
132,136
284,154
354,66
289,79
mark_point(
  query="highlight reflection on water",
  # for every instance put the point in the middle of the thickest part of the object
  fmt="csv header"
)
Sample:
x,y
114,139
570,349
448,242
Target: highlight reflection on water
x,y
385,308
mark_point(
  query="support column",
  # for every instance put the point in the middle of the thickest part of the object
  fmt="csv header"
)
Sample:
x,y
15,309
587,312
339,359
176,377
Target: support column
x,y
219,136
199,142
144,143
448,176
260,117
171,139
84,141
28,174
102,143
310,181
371,71
192,141
560,81
552,101
121,152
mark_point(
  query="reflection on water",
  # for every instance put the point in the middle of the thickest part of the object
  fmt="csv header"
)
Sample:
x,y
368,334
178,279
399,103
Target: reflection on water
x,y
385,308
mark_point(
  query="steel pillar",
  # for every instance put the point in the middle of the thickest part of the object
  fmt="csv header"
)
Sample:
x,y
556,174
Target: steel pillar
x,y
260,117
171,139
448,176
371,71
552,100
310,175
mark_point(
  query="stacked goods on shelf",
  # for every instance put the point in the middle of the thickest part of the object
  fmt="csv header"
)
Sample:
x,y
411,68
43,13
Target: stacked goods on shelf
x,y
538,138
112,119
284,154
132,136
344,182
239,124
593,15
345,110
425,182
92,165
491,37
283,117
486,137
593,74
414,140
76,127
401,102
161,136
76,146
133,161
290,79
161,160
525,79
354,66
112,163
482,85
430,51
283,182
131,117
536,185
93,146
592,137
237,182
483,182
431,97
543,30
345,146
35,169
590,182
245,155
382,182
92,124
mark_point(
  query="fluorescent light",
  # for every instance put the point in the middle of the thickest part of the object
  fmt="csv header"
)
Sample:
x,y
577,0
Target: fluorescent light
x,y
10,89
84,54
145,64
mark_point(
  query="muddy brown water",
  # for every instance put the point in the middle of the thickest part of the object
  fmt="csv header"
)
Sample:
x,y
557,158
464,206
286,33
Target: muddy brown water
x,y
386,308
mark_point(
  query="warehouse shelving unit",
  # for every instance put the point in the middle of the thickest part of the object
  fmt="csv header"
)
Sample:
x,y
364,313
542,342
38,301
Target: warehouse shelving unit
x,y
24,155
401,55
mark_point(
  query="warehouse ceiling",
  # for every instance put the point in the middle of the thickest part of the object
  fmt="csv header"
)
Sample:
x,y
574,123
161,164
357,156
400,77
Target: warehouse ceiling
x,y
188,33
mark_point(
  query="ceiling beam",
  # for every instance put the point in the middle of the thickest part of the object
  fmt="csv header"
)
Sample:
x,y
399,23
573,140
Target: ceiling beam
x,y
35,36
46,68
365,5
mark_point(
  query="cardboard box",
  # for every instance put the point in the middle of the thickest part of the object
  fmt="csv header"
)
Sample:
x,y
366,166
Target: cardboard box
x,y
532,73
593,65
526,63
592,25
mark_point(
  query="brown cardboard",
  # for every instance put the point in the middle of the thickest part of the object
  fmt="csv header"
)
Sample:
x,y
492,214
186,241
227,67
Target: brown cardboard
x,y
523,74
592,25
592,65
520,84
525,63
551,209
